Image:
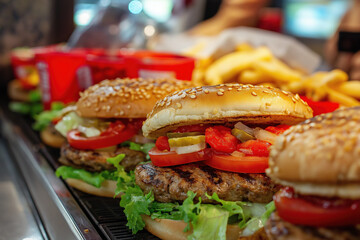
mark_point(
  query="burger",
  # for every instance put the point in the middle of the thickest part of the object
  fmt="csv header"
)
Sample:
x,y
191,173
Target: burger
x,y
318,163
20,91
206,176
104,132
45,123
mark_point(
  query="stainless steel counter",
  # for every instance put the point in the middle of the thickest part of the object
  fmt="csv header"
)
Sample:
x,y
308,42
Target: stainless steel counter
x,y
19,219
35,204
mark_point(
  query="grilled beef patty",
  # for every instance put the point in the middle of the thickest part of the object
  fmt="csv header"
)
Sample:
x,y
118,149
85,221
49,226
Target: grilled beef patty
x,y
278,229
95,161
171,184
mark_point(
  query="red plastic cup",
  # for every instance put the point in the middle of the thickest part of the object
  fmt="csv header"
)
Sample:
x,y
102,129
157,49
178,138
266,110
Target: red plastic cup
x,y
58,72
103,67
148,64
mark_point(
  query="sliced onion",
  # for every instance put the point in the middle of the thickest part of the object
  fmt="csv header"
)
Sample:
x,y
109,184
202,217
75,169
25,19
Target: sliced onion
x,y
238,154
189,149
89,131
264,135
245,128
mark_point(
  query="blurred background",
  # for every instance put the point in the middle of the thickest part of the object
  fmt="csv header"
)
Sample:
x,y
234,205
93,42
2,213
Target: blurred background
x,y
44,22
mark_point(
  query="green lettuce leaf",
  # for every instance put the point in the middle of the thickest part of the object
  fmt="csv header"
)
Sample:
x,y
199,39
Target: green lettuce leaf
x,y
35,96
95,179
211,223
145,148
43,119
26,108
190,211
20,107
258,214
135,204
165,210
124,179
233,208
68,122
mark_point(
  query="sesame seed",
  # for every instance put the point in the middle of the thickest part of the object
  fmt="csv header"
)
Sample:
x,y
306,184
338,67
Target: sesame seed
x,y
253,93
220,93
193,96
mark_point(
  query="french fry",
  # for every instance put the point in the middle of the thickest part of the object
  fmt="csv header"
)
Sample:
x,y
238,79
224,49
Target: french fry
x,y
196,49
244,47
228,66
253,77
198,77
351,88
278,70
341,98
335,77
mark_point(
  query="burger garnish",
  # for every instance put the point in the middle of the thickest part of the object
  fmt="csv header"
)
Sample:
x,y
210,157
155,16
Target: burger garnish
x,y
207,167
45,123
322,193
107,125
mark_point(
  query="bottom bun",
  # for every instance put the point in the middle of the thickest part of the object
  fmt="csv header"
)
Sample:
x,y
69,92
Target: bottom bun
x,y
51,139
167,229
16,92
346,190
107,188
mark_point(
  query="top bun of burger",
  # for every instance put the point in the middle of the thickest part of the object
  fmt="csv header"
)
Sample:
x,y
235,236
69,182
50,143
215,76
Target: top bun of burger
x,y
225,102
320,156
125,98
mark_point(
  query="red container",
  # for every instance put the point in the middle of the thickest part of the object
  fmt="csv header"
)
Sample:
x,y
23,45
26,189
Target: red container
x,y
23,63
58,72
147,64
103,67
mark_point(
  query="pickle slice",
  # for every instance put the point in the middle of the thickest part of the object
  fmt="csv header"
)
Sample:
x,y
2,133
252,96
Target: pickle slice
x,y
185,134
241,135
186,141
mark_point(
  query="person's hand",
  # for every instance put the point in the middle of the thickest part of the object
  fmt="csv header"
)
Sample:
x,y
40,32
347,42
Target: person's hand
x,y
346,61
232,13
355,67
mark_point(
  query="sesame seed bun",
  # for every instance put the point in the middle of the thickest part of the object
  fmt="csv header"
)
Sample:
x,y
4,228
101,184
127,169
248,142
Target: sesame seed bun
x,y
125,98
167,229
51,138
225,103
320,156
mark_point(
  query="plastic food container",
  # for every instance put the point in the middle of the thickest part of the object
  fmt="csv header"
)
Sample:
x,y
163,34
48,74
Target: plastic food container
x,y
58,71
148,64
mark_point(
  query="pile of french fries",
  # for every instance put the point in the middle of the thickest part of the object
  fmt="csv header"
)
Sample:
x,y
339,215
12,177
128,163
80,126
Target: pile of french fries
x,y
258,66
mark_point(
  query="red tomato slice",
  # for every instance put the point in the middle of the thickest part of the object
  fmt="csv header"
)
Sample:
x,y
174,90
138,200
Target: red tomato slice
x,y
162,143
221,139
257,148
298,210
115,134
166,158
247,164
277,129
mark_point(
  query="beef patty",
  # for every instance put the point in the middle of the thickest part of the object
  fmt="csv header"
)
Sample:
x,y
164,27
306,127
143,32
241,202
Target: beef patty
x,y
278,229
95,161
171,184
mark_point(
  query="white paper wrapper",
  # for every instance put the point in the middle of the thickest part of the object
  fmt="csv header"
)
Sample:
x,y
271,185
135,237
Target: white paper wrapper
x,y
288,49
